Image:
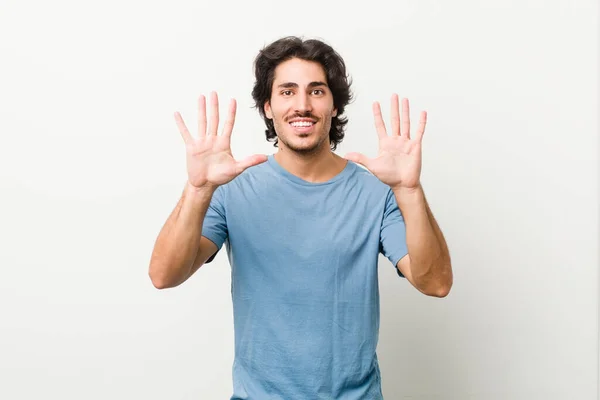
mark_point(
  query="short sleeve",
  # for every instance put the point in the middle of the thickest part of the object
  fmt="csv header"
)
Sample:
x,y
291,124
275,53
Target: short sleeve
x,y
393,232
214,226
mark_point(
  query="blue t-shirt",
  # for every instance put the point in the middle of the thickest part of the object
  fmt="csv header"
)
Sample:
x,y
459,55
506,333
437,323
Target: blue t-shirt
x,y
304,279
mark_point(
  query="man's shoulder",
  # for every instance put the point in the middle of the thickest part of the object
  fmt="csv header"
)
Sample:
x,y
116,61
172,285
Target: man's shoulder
x,y
250,180
366,178
261,170
364,174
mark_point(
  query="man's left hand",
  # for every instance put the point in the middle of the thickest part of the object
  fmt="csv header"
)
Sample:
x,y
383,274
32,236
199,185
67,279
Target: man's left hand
x,y
398,163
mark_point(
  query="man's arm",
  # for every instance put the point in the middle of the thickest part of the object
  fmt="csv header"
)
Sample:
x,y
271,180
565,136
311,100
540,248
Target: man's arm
x,y
427,265
180,248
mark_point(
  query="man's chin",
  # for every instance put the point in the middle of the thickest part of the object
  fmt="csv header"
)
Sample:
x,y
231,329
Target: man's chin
x,y
308,143
303,148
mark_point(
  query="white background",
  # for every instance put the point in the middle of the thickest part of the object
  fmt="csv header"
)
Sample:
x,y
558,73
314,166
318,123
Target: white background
x,y
91,165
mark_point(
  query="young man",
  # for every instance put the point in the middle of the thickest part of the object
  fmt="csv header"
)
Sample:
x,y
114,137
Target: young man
x,y
303,229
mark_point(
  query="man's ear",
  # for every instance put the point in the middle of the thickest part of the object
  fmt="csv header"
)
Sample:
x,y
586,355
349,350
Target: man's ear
x,y
334,112
267,108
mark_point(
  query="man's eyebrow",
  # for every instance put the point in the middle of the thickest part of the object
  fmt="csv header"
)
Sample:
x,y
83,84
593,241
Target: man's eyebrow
x,y
317,83
295,85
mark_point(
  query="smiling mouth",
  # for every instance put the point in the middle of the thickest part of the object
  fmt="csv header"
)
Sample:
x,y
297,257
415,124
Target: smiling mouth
x,y
302,124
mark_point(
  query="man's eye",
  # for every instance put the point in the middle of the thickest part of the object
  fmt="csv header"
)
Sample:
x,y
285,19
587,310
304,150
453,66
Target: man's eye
x,y
286,92
318,91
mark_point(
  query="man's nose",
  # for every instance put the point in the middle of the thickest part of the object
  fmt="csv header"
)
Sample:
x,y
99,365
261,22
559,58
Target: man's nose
x,y
303,103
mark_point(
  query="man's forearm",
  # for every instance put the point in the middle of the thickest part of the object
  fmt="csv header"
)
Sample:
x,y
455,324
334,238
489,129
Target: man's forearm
x,y
427,248
178,241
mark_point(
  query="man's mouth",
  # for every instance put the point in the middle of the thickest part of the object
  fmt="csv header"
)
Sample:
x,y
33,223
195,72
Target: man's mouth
x,y
302,125
302,122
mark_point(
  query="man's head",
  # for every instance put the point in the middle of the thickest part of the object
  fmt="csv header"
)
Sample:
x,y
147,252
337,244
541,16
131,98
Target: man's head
x,y
301,91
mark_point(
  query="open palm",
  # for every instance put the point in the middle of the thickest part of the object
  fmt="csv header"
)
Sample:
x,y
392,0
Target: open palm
x,y
398,163
209,158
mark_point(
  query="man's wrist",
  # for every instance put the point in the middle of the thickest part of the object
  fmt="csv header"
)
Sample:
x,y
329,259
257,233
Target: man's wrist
x,y
199,192
408,193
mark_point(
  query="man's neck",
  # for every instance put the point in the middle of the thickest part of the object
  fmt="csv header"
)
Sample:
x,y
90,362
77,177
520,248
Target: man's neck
x,y
316,167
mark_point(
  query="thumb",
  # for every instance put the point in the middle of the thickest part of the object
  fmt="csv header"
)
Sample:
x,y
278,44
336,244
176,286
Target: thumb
x,y
358,158
250,161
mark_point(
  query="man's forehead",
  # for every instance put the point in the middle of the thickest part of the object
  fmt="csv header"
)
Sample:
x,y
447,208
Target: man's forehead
x,y
300,72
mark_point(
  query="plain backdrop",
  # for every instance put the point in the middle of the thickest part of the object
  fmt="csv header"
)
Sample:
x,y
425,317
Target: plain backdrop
x,y
91,165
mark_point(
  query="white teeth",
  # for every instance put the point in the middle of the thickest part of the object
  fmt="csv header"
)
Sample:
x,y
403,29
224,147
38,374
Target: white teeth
x,y
302,124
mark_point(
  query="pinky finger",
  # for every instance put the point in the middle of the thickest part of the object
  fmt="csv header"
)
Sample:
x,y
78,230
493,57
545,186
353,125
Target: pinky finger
x,y
183,130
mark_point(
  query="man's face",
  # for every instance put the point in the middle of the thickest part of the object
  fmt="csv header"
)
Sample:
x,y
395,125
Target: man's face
x,y
301,106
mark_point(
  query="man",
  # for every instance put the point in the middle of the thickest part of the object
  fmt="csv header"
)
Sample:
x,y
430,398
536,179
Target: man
x,y
303,229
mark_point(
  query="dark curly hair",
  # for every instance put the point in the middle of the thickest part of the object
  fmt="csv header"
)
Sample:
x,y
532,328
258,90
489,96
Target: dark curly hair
x,y
310,50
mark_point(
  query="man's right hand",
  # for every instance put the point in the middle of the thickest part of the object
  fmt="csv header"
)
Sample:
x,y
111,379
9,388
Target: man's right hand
x,y
209,159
